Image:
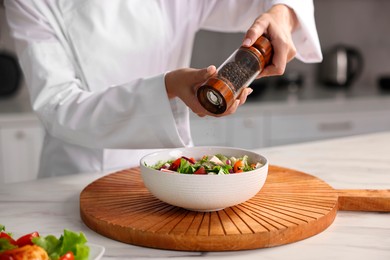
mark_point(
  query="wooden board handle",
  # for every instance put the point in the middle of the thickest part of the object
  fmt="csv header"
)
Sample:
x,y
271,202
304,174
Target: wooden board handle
x,y
364,200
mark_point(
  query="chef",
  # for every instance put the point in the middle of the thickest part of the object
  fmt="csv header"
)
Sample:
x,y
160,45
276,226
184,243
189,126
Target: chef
x,y
110,81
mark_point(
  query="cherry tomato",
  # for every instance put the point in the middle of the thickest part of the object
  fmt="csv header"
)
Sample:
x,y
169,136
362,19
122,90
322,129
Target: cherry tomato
x,y
5,257
8,237
26,239
238,166
201,170
175,165
191,160
67,256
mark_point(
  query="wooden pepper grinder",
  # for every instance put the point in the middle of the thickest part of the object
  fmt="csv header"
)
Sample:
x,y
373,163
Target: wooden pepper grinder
x,y
218,93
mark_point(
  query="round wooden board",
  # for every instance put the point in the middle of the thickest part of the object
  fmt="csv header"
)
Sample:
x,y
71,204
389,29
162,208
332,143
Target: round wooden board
x,y
290,207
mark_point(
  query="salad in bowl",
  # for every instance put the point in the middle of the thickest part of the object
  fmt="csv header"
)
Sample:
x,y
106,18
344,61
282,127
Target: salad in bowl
x,y
204,178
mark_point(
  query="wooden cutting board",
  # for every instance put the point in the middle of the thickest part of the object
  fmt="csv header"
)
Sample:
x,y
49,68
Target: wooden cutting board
x,y
290,207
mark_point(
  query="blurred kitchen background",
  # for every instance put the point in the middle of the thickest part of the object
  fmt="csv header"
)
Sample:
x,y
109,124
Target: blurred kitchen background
x,y
308,103
359,24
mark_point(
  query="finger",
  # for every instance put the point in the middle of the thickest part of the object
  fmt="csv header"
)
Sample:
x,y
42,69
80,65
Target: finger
x,y
292,53
207,72
272,70
202,75
201,114
279,59
279,62
257,29
211,70
238,102
232,109
244,95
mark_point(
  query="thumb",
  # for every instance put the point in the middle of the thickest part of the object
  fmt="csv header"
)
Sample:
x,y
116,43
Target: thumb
x,y
257,29
203,74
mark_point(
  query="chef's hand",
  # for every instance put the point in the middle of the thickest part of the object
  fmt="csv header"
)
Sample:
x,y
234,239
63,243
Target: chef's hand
x,y
183,83
277,23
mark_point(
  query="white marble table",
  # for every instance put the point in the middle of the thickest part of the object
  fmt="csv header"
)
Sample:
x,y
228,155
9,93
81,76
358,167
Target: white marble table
x,y
361,162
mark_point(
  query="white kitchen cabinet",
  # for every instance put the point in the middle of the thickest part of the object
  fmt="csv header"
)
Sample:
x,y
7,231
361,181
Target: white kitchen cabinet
x,y
287,129
258,124
248,131
21,141
210,131
327,119
242,131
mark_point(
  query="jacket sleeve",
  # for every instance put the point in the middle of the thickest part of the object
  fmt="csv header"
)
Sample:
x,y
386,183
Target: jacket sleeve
x,y
126,116
305,37
238,16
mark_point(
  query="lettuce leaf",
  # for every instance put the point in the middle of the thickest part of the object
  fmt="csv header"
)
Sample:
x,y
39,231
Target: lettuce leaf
x,y
69,241
186,167
5,245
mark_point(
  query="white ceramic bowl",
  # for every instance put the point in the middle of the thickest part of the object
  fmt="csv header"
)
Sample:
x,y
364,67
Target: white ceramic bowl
x,y
203,192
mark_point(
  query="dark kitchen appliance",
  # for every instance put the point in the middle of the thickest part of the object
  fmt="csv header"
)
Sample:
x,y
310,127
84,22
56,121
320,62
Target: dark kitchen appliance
x,y
10,74
259,86
384,83
341,66
290,81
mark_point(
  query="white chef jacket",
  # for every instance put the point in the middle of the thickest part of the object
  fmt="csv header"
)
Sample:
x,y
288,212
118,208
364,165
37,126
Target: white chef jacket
x,y
95,71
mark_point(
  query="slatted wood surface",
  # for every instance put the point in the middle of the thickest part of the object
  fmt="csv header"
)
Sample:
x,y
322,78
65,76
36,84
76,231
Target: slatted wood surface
x,y
290,207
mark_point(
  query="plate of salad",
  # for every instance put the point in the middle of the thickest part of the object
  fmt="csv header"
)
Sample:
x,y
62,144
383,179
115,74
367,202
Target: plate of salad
x,y
68,246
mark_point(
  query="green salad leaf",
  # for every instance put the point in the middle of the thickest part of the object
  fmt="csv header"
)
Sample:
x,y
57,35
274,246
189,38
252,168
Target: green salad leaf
x,y
5,245
69,241
186,167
